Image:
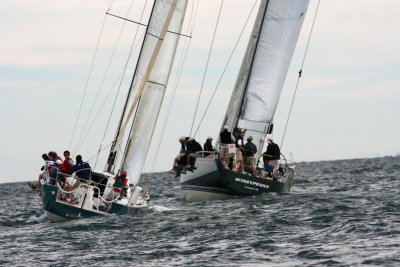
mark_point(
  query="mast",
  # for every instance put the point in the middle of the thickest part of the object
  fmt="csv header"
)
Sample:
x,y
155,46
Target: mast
x,y
114,149
264,67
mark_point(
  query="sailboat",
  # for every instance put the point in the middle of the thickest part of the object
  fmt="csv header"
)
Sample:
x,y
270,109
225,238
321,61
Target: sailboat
x,y
252,106
140,113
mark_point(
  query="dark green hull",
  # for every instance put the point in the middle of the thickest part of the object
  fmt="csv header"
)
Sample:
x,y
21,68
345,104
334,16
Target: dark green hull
x,y
60,210
244,184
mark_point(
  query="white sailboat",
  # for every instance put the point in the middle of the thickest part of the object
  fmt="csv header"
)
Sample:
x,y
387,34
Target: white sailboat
x,y
139,118
253,104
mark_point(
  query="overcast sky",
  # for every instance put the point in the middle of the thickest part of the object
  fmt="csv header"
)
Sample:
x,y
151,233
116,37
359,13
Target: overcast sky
x,y
347,104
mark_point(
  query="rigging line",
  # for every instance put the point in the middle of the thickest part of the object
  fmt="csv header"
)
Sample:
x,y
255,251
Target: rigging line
x,y
133,47
205,71
182,61
88,79
90,74
110,4
80,141
92,157
120,78
300,72
226,66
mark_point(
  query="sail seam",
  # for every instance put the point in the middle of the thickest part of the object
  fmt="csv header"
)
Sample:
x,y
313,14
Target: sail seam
x,y
157,83
157,37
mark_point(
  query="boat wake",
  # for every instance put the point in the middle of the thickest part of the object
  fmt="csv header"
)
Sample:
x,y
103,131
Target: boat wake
x,y
159,208
37,218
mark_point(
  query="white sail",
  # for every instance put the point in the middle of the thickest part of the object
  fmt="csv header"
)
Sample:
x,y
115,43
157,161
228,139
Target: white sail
x,y
264,68
157,22
153,92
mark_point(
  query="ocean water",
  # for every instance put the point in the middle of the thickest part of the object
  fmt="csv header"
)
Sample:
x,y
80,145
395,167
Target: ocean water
x,y
339,213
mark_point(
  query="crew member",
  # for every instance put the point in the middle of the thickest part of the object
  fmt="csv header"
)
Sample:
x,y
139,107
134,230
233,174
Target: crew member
x,y
271,157
250,149
120,186
208,146
226,139
239,150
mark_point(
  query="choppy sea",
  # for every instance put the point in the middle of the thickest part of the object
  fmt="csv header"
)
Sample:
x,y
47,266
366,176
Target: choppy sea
x,y
338,213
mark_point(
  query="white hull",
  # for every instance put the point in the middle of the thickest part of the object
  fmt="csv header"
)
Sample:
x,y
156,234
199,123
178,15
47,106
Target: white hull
x,y
55,218
204,166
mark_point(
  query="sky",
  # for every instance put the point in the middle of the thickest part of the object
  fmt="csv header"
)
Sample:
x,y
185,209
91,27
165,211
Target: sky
x,y
347,103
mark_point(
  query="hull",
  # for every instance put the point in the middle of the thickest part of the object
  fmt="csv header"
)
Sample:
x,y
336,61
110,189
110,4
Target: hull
x,y
205,183
58,210
212,182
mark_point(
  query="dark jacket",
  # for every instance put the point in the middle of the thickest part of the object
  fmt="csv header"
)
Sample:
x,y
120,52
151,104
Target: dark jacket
x,y
193,146
273,152
208,146
226,137
82,170
250,149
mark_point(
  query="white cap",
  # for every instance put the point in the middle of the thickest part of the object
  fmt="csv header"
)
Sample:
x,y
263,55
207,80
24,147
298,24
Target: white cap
x,y
182,138
209,138
226,127
269,138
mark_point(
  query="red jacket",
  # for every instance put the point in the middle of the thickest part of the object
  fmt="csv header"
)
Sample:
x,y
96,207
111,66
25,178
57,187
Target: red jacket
x,y
67,164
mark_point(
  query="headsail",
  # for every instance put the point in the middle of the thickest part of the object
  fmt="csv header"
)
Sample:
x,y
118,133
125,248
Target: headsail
x,y
264,67
150,81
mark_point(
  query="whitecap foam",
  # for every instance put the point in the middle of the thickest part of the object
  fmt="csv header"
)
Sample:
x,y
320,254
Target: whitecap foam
x,y
159,208
37,218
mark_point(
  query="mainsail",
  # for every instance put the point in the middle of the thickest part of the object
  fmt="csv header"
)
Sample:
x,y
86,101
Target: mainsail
x,y
149,83
264,67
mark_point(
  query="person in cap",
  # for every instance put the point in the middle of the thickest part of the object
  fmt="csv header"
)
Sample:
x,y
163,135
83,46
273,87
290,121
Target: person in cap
x,y
226,139
208,146
180,159
42,177
192,148
250,149
120,185
239,151
271,157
